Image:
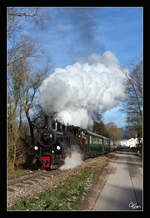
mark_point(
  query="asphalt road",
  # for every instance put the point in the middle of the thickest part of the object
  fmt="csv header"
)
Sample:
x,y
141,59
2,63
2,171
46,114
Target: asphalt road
x,y
123,189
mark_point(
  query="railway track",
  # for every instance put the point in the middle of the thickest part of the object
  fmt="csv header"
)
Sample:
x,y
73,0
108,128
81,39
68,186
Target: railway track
x,y
28,176
31,183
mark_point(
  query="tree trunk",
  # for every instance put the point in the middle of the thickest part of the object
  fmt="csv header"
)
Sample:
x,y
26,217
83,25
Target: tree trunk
x,y
14,156
31,127
20,121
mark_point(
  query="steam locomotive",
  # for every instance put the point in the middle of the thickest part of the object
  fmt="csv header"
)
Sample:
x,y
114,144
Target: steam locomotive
x,y
55,141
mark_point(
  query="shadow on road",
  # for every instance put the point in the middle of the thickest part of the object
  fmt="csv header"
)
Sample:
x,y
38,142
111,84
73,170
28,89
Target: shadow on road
x,y
126,203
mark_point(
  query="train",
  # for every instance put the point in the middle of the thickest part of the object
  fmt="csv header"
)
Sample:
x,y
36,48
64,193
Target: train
x,y
55,141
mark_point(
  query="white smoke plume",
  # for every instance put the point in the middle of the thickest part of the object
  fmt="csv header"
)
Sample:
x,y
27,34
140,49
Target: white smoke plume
x,y
72,161
77,91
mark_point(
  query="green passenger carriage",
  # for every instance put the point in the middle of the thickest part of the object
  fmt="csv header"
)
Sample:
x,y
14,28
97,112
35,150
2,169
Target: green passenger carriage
x,y
96,144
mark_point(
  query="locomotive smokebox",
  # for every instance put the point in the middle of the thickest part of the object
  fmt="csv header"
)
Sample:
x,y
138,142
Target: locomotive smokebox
x,y
47,137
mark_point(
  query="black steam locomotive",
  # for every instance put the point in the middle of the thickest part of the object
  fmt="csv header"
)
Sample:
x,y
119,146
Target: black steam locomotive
x,y
54,141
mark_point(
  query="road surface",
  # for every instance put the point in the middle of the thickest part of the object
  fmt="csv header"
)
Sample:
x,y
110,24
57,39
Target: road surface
x,y
124,188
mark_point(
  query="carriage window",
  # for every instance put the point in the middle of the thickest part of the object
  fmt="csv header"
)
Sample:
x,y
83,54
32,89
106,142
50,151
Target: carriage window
x,y
105,142
95,140
100,141
90,139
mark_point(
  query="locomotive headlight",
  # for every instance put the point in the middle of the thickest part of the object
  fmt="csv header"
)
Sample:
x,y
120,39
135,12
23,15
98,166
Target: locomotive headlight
x,y
58,147
36,148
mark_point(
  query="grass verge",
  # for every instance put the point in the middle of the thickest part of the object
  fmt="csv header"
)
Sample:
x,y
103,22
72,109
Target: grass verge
x,y
68,195
17,173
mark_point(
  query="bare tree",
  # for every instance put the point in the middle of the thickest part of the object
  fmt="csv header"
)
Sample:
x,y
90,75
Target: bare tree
x,y
24,75
134,102
24,80
100,128
18,16
113,131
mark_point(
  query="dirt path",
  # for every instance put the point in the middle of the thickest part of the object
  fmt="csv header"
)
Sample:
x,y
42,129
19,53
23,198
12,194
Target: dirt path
x,y
122,189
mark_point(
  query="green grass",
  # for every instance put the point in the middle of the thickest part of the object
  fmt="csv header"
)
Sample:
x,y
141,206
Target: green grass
x,y
67,196
17,173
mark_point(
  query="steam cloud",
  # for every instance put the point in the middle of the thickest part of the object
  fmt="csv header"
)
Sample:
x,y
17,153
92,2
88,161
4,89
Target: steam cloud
x,y
73,161
79,90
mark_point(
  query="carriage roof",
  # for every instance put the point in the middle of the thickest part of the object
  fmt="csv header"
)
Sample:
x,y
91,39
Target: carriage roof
x,y
96,135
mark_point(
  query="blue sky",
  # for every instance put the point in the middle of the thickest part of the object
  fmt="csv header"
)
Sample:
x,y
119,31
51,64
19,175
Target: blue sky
x,y
68,36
